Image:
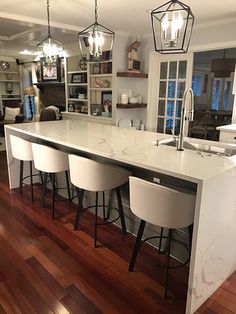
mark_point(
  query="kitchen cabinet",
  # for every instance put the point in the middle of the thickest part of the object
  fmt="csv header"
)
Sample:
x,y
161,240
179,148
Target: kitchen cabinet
x,y
227,133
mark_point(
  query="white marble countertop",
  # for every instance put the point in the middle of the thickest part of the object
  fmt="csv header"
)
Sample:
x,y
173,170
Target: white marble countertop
x,y
129,146
227,128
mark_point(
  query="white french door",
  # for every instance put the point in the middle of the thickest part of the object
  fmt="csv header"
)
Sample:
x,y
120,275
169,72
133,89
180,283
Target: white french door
x,y
169,76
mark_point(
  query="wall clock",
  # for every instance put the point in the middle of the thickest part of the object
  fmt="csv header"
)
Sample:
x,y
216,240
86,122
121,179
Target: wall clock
x,y
5,65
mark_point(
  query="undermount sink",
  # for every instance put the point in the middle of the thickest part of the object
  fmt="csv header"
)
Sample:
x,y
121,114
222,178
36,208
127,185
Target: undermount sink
x,y
205,148
187,145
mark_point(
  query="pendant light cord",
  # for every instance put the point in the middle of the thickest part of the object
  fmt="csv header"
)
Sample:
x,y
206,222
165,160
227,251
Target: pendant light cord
x,y
49,29
96,11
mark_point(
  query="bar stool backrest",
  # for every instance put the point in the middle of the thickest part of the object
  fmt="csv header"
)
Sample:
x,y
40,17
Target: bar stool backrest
x,y
94,176
48,159
21,149
160,205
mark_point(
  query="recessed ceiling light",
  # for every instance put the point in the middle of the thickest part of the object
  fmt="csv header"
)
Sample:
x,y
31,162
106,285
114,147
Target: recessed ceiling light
x,y
26,52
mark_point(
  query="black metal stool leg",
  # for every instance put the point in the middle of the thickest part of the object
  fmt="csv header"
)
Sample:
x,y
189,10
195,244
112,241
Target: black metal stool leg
x,y
103,206
68,185
137,245
31,182
21,175
53,194
80,194
160,242
44,186
168,262
121,211
41,176
96,222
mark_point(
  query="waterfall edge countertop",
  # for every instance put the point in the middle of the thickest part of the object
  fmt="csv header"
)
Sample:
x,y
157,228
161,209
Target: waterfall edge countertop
x,y
213,257
128,146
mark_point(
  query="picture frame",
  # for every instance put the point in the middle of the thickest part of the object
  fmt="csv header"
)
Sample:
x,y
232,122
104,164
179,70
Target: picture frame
x,y
50,73
77,78
106,101
96,109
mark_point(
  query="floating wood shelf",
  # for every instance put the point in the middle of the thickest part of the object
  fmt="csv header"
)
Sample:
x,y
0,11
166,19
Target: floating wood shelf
x,y
131,106
132,74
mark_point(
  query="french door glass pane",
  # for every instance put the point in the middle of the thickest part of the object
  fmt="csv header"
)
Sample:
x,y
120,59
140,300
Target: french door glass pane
x,y
170,123
171,89
173,70
163,71
180,89
170,108
161,108
160,125
182,69
178,108
162,91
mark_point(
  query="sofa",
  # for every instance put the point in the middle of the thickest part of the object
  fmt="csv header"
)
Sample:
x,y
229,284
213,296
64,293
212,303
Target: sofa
x,y
11,114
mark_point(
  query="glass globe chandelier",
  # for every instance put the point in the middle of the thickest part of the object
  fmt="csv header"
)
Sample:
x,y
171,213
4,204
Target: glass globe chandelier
x,y
50,49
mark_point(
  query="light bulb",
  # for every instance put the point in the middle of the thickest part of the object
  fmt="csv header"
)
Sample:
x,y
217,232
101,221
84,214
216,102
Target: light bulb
x,y
96,42
165,25
180,21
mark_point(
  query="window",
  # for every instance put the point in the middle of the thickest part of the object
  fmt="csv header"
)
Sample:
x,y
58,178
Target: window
x,y
221,94
216,90
197,84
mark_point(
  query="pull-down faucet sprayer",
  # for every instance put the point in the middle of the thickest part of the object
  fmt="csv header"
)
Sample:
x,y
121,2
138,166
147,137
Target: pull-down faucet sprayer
x,y
184,116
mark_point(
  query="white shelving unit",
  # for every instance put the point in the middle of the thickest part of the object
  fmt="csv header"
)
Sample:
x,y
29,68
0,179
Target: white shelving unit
x,y
95,85
77,96
10,84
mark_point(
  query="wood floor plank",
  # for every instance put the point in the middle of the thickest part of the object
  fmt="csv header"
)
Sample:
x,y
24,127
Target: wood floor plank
x,y
47,278
72,306
86,304
50,267
34,280
47,267
7,300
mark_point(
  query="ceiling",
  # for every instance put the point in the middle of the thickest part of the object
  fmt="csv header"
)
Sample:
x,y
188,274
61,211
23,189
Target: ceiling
x,y
23,23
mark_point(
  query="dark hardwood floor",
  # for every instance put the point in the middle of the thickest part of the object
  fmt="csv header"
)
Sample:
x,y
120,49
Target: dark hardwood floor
x,y
47,267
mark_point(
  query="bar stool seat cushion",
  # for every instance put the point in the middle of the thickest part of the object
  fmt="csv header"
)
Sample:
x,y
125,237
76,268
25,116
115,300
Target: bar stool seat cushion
x,y
21,149
94,176
57,162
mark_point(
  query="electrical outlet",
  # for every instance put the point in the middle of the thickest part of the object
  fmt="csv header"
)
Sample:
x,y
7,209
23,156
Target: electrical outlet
x,y
156,180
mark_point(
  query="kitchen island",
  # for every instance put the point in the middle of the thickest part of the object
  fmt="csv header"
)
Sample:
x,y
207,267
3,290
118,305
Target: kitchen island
x,y
213,258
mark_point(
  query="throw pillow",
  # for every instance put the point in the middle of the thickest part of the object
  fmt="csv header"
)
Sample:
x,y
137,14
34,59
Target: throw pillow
x,y
11,113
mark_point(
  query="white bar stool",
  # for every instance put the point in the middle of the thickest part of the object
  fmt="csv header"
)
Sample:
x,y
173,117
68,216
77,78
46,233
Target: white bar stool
x,y
50,161
22,150
93,176
160,206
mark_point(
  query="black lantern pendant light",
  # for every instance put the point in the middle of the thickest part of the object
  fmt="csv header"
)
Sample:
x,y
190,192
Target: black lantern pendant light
x,y
50,49
172,25
96,38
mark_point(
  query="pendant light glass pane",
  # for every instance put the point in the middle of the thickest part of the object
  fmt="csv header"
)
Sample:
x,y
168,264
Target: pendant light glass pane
x,y
172,25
